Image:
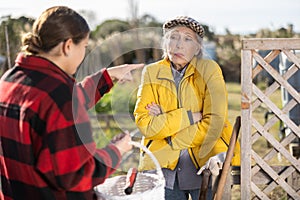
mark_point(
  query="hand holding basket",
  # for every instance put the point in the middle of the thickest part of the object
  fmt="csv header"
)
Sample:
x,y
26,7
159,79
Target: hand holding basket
x,y
147,186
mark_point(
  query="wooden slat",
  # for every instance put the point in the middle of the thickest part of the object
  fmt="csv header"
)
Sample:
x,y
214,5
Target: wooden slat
x,y
283,116
260,177
276,144
272,88
269,58
292,57
287,140
270,43
287,173
277,76
246,116
258,192
274,176
270,123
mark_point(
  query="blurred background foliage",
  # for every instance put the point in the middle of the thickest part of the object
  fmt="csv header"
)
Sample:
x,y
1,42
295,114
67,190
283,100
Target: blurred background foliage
x,y
135,40
227,47
115,42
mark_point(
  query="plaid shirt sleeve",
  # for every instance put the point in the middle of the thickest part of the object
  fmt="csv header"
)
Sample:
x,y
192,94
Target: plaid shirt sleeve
x,y
69,158
95,86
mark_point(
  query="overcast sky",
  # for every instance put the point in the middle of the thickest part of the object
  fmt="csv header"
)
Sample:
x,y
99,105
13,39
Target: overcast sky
x,y
239,16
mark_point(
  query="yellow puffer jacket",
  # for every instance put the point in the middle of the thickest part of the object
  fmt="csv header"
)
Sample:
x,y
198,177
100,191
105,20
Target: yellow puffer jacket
x,y
201,89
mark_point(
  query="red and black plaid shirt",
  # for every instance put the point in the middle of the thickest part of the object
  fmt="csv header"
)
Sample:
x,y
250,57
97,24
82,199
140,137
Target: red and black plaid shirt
x,y
46,149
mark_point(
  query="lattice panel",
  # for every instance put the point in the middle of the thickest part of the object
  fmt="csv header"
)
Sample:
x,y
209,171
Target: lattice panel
x,y
267,134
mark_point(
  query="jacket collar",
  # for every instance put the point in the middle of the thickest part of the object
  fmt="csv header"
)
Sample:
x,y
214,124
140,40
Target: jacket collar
x,y
41,64
166,73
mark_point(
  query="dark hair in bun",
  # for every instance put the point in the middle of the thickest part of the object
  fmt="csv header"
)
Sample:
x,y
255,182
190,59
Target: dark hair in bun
x,y
55,25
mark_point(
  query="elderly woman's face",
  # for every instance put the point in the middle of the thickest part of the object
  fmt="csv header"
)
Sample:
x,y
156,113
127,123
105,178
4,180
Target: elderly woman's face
x,y
182,46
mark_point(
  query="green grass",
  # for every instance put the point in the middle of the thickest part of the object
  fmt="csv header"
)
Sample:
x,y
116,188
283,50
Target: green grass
x,y
234,101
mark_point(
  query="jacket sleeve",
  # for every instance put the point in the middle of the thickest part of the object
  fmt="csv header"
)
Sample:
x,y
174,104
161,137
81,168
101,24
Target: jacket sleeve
x,y
209,129
163,125
95,86
69,159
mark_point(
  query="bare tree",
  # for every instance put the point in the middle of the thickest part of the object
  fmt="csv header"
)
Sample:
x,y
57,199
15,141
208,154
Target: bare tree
x,y
133,13
134,22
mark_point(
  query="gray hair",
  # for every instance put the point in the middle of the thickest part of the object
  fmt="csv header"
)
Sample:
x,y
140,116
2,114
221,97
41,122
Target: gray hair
x,y
166,37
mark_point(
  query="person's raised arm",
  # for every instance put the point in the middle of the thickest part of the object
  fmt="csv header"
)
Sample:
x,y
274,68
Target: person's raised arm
x,y
122,73
99,83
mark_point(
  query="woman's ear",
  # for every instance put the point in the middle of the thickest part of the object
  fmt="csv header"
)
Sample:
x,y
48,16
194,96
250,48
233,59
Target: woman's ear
x,y
66,48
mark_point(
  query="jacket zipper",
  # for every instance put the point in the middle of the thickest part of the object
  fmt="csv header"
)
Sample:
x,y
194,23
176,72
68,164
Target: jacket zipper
x,y
194,158
179,102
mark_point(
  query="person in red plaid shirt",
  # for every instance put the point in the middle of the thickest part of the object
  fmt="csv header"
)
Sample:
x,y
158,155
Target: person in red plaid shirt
x,y
46,149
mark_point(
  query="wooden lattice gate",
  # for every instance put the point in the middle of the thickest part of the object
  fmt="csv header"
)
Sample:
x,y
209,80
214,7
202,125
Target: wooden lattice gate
x,y
281,166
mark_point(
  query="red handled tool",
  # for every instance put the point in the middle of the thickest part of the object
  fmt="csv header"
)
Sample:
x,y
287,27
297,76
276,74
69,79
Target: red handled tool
x,y
130,179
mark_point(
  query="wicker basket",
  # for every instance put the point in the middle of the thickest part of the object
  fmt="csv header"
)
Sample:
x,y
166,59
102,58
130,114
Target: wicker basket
x,y
147,186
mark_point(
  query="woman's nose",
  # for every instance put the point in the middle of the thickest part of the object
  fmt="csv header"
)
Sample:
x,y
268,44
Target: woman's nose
x,y
179,43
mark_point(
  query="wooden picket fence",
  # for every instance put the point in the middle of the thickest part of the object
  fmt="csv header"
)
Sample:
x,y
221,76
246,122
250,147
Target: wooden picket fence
x,y
280,164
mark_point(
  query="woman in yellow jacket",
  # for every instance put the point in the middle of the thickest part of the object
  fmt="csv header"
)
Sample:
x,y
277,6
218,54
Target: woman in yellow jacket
x,y
181,110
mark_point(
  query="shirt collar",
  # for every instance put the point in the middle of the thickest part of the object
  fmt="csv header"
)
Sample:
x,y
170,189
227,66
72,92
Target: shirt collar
x,y
176,72
40,64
